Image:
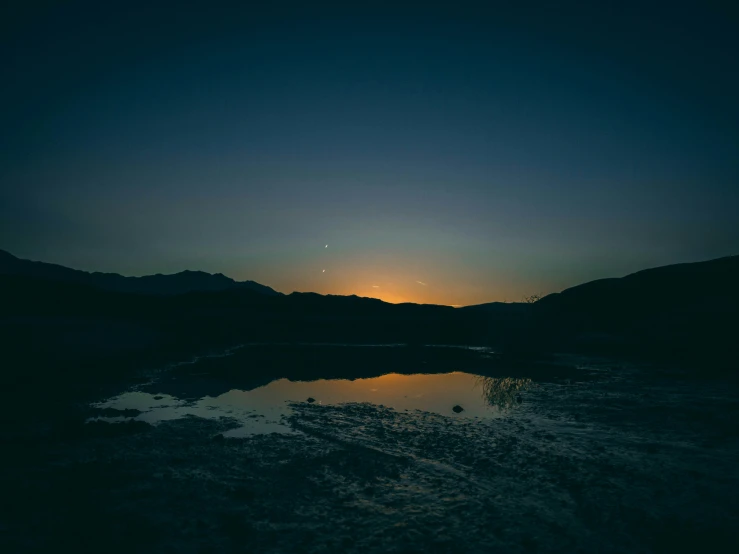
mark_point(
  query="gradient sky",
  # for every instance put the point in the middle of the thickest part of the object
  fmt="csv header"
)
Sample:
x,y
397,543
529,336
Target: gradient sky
x,y
448,154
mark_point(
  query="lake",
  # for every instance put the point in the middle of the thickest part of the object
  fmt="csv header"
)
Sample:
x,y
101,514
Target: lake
x,y
264,409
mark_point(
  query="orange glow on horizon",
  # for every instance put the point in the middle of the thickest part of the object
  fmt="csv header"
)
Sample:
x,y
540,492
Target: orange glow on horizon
x,y
392,279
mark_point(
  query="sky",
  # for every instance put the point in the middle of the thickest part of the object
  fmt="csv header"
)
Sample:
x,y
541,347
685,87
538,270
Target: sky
x,y
443,153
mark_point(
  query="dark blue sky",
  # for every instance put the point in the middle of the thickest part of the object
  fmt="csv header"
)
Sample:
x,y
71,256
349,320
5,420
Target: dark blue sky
x,y
447,153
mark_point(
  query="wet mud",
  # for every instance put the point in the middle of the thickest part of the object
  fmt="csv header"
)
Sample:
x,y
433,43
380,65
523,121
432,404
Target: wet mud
x,y
625,459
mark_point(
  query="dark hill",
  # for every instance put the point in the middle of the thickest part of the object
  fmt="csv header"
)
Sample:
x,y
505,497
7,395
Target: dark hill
x,y
701,287
679,308
67,328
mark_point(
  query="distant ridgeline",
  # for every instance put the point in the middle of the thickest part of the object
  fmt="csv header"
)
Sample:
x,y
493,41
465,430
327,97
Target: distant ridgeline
x,y
50,314
178,283
679,312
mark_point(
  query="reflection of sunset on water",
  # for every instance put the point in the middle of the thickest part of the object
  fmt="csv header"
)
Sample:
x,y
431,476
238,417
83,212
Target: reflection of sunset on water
x,y
260,410
435,393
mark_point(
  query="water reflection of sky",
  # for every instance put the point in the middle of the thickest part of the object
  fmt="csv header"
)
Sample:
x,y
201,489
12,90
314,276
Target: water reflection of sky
x,y
261,410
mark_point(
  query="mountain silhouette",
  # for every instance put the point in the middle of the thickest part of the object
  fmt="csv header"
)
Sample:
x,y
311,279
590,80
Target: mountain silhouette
x,y
178,283
699,287
57,317
689,309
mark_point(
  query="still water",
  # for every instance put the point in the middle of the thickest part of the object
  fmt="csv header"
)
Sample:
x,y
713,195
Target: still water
x,y
263,409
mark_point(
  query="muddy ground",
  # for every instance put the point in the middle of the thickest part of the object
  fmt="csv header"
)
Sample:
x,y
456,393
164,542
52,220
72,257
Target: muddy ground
x,y
625,459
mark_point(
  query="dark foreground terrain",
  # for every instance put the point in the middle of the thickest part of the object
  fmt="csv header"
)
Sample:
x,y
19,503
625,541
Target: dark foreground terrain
x,y
328,424
577,455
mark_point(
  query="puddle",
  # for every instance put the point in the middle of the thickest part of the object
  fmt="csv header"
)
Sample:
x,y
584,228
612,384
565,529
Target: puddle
x,y
263,409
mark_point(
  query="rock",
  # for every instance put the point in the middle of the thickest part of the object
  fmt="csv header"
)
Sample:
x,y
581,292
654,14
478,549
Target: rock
x,y
158,397
311,400
457,409
219,437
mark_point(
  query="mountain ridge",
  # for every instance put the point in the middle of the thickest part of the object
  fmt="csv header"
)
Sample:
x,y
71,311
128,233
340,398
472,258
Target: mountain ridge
x,y
657,286
157,284
679,313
